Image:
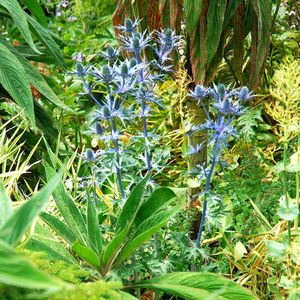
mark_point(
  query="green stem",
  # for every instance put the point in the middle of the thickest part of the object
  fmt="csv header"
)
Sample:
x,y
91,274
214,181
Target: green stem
x,y
296,222
285,184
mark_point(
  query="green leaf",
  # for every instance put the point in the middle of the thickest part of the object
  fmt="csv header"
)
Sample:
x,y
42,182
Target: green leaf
x,y
59,227
45,37
68,209
145,231
17,271
216,13
36,9
6,208
42,240
35,78
131,205
20,221
14,80
239,251
93,228
288,211
260,37
197,286
19,18
87,254
276,249
113,249
159,199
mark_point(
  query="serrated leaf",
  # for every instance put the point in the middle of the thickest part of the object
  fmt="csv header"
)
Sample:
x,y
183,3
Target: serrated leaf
x,y
14,80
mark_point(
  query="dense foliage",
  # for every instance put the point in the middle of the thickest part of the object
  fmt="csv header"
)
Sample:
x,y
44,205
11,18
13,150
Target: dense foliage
x,y
149,149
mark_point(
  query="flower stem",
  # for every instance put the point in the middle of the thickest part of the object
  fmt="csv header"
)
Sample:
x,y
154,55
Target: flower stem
x,y
206,193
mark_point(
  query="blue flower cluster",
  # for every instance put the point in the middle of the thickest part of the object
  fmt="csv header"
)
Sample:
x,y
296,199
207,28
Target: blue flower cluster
x,y
130,88
226,105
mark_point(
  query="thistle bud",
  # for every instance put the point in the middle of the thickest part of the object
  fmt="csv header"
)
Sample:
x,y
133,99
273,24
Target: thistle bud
x,y
90,155
136,43
132,63
124,69
128,25
221,90
106,112
110,51
199,91
80,69
244,92
106,74
99,129
168,33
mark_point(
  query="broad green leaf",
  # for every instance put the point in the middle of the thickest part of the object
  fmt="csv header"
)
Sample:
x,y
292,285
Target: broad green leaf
x,y
68,209
20,221
14,80
276,249
127,296
45,37
59,227
93,228
159,199
197,286
216,13
43,241
260,38
35,78
192,9
288,211
113,249
6,208
35,8
19,18
87,254
145,231
17,271
230,11
131,205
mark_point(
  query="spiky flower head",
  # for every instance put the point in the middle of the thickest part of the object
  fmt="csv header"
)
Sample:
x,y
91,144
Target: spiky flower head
x,y
90,155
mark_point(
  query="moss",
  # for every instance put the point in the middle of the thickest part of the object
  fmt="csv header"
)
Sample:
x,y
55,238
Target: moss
x,y
60,269
99,290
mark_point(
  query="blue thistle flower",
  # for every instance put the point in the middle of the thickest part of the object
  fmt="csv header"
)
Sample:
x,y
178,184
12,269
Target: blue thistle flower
x,y
90,155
